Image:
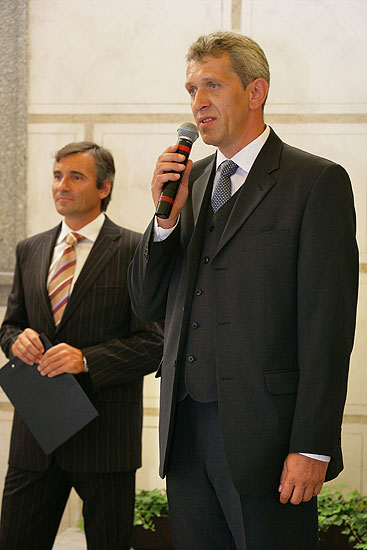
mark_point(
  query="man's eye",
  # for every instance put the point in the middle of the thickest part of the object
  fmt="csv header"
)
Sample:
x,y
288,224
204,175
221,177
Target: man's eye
x,y
213,85
191,91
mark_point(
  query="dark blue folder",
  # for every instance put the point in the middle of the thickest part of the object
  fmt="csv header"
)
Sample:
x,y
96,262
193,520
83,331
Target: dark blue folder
x,y
54,409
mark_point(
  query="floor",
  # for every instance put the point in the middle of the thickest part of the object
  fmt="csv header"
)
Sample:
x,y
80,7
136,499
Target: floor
x,y
71,539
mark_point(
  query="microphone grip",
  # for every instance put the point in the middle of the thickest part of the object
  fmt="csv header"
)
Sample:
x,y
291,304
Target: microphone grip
x,y
170,189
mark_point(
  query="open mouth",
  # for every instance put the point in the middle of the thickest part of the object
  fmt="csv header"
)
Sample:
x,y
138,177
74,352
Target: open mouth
x,y
207,120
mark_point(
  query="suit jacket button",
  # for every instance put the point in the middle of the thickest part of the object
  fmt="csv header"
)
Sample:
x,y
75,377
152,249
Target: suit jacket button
x,y
198,292
190,359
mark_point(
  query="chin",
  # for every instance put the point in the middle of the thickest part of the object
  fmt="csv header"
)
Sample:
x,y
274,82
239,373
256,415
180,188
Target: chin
x,y
209,140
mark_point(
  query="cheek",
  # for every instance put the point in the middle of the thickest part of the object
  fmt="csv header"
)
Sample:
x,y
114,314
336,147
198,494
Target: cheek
x,y
227,113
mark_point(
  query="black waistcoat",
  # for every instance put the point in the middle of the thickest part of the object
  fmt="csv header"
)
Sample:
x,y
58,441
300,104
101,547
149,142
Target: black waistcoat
x,y
198,369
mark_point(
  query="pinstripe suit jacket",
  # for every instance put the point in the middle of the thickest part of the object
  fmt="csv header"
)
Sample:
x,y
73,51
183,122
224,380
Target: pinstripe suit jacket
x,y
119,349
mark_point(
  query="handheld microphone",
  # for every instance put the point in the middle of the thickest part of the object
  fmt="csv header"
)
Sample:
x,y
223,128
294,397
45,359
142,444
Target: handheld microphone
x,y
187,135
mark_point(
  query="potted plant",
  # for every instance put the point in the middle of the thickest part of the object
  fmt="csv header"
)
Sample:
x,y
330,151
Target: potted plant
x,y
342,519
151,522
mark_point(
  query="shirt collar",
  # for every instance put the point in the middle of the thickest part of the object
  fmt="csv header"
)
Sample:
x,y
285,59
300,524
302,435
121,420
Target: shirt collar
x,y
89,231
246,157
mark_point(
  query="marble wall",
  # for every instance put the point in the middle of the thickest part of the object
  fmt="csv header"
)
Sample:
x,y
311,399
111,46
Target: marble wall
x,y
13,134
113,71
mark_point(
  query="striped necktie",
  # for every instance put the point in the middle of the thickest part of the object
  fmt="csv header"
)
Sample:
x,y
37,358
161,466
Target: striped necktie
x,y
60,282
223,190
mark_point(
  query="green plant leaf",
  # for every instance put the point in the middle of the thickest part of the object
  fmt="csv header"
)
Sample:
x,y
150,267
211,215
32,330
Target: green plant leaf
x,y
148,505
348,512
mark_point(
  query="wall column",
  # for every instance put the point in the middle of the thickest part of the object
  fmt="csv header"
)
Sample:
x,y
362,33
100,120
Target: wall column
x,y
13,134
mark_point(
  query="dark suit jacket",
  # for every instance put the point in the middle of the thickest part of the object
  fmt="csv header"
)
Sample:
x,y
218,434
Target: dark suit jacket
x,y
119,349
285,275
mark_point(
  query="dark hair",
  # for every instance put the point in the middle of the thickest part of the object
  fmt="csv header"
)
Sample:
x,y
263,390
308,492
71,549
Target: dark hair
x,y
247,57
105,166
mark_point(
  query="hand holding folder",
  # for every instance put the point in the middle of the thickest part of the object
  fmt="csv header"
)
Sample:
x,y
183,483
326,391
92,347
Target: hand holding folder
x,y
54,409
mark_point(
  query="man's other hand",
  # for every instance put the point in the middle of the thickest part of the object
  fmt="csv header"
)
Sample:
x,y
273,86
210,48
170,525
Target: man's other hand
x,y
302,478
28,347
61,358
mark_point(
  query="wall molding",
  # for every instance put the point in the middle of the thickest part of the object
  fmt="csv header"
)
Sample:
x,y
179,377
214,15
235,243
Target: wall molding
x,y
166,118
355,419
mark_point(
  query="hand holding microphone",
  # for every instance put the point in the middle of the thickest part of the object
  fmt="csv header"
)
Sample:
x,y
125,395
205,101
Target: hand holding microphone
x,y
187,135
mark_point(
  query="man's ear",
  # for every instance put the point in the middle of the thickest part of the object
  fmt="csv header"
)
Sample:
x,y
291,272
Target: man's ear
x,y
258,93
105,189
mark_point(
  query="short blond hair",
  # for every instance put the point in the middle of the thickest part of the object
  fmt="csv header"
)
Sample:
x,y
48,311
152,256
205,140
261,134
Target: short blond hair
x,y
247,57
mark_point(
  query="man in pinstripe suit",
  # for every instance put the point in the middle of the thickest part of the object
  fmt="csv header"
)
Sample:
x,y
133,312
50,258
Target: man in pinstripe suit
x,y
101,342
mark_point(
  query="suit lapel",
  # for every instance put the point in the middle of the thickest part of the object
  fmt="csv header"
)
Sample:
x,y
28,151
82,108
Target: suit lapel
x,y
107,243
190,214
199,188
257,185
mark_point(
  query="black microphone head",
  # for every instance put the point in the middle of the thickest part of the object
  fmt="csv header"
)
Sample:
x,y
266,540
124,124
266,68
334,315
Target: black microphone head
x,y
188,131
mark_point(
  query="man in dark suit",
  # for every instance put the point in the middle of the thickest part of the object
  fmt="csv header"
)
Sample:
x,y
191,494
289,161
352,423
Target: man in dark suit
x,y
99,340
255,271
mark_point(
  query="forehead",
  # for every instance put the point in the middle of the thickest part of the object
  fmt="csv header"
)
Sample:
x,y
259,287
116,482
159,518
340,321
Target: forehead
x,y
83,162
210,66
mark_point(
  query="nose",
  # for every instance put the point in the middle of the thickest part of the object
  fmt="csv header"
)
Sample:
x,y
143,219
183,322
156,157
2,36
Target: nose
x,y
200,100
63,183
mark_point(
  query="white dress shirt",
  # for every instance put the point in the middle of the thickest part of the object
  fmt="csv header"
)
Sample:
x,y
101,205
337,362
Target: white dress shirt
x,y
90,233
244,159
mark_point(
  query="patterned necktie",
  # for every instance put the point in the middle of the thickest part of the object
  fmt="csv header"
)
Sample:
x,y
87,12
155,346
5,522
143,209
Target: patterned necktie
x,y
60,282
223,190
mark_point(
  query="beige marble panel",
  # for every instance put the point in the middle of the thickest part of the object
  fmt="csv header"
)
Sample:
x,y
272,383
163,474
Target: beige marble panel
x,y
345,144
316,51
116,55
151,392
43,141
354,475
147,477
135,148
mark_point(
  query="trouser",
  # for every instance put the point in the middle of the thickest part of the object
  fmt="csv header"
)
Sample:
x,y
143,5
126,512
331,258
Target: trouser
x,y
33,504
207,513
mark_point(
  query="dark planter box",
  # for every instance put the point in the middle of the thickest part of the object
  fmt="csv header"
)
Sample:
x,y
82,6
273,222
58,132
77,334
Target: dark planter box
x,y
160,539
333,539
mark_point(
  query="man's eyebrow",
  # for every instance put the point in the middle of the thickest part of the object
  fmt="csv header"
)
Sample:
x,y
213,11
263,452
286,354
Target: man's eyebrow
x,y
76,173
205,79
73,172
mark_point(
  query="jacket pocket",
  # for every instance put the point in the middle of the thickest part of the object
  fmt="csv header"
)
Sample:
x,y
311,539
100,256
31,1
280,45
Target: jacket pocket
x,y
266,239
282,382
